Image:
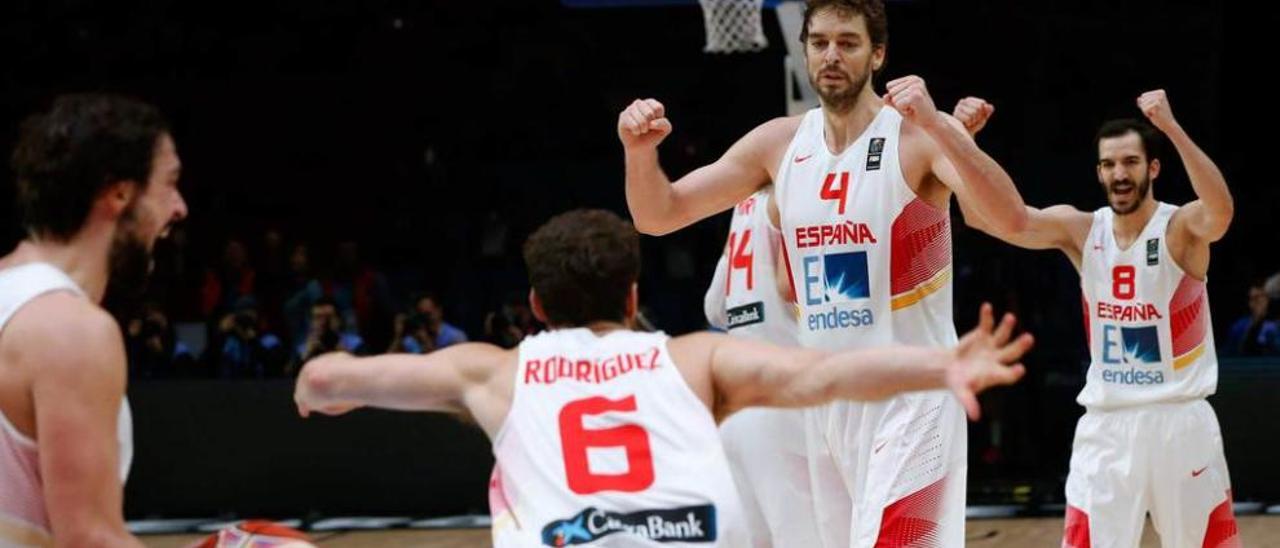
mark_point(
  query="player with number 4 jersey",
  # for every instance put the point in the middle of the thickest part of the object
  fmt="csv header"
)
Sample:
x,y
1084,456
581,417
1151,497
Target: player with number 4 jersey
x,y
1148,442
606,436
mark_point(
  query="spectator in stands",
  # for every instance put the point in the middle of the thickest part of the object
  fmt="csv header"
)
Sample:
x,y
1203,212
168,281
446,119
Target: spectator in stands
x,y
511,323
152,347
446,333
412,335
272,280
361,295
302,291
1255,334
327,333
231,281
244,349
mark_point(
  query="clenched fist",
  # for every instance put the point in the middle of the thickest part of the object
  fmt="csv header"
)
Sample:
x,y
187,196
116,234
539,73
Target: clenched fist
x,y
910,97
643,124
1155,106
973,112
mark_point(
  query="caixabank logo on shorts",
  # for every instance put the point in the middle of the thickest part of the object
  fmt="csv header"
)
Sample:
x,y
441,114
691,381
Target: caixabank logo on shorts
x,y
686,524
833,279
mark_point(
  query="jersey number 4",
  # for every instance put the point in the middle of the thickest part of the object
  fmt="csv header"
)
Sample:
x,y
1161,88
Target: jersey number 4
x,y
833,191
576,440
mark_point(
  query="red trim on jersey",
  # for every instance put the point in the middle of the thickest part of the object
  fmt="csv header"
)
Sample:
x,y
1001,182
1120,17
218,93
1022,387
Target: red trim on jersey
x,y
913,520
791,278
1088,333
1076,532
1188,316
1222,531
920,246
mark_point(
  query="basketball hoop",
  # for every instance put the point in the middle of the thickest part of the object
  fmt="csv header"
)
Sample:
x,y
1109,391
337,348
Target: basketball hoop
x,y
733,26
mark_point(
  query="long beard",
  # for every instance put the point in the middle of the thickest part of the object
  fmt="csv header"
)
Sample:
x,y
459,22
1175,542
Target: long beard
x,y
842,100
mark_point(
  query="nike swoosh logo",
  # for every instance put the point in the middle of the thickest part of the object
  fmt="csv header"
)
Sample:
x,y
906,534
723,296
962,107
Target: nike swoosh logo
x,y
803,158
1196,473
881,446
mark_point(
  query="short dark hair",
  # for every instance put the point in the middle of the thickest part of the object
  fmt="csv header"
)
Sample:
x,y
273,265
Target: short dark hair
x,y
1152,139
870,10
582,265
65,157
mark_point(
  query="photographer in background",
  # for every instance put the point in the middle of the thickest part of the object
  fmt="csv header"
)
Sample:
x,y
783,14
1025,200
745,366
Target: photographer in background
x,y
327,334
152,347
413,334
244,350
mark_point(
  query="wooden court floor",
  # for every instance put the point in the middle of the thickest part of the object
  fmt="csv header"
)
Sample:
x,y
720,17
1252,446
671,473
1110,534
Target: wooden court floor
x,y
1255,531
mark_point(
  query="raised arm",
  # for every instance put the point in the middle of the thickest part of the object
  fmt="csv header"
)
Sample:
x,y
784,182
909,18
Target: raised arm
x,y
1059,227
748,373
1206,219
458,379
659,206
976,179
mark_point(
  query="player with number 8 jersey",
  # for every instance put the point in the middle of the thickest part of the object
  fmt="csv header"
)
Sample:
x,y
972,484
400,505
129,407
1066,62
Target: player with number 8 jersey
x,y
1148,441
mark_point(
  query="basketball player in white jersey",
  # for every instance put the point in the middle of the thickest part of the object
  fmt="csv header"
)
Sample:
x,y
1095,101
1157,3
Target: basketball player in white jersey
x,y
767,448
607,436
96,185
1148,441
861,188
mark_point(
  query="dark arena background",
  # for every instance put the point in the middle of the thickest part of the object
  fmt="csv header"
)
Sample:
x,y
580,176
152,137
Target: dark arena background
x,y
391,156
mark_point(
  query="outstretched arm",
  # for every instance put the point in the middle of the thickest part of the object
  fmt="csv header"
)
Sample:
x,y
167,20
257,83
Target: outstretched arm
x,y
1059,227
749,373
440,381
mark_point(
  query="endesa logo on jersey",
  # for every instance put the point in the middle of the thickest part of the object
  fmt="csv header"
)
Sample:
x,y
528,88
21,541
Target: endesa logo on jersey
x,y
1131,346
686,524
832,279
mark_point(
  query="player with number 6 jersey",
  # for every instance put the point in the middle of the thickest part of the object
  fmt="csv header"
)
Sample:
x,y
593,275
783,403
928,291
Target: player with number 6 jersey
x,y
606,436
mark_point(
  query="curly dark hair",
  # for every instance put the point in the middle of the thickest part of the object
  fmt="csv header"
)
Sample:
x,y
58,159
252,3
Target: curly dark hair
x,y
582,265
65,157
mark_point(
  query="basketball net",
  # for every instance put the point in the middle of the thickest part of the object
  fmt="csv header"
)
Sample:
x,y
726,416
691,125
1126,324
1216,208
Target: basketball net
x,y
733,26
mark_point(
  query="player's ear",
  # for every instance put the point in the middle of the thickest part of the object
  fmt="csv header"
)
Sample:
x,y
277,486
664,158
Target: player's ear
x,y
535,305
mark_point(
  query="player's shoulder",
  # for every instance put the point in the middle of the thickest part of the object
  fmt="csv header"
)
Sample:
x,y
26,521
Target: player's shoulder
x,y
695,348
1068,213
780,128
60,330
479,361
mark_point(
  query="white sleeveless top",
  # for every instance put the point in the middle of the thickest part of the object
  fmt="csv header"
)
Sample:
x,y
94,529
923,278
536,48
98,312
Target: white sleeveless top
x,y
743,297
869,260
23,521
1147,322
607,445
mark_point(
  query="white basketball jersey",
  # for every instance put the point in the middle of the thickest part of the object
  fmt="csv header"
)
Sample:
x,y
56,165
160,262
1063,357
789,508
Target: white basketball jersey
x,y
1148,327
743,297
869,260
607,445
23,520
